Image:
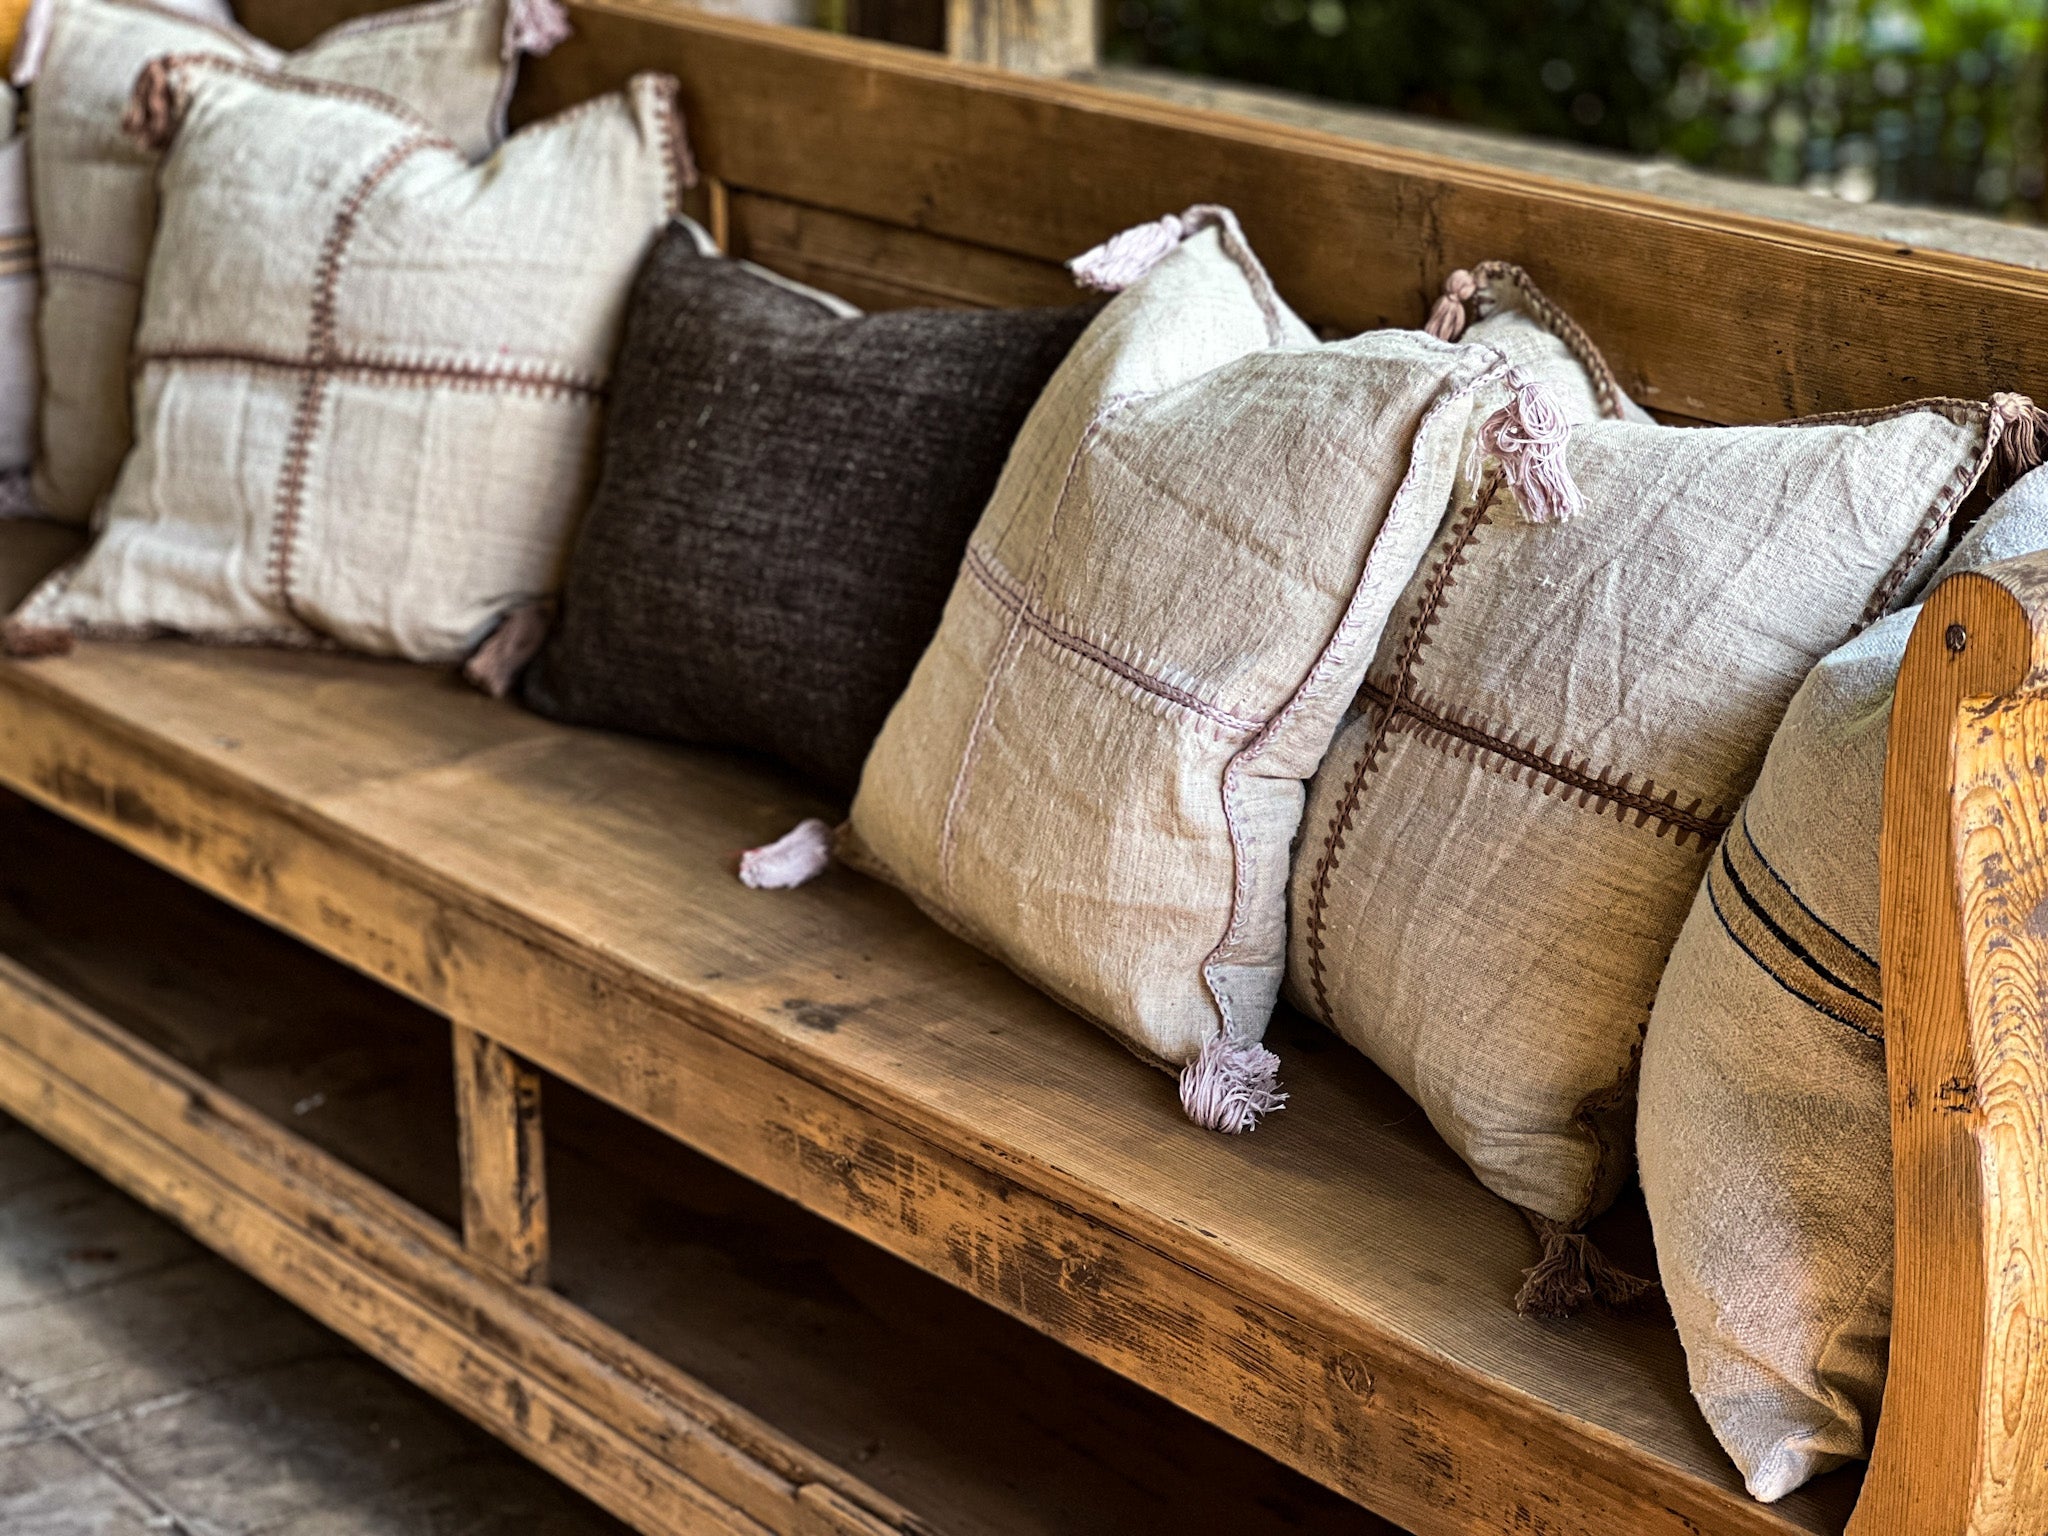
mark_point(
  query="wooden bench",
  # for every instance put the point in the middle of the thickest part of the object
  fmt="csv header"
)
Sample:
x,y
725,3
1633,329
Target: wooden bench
x,y
1334,1290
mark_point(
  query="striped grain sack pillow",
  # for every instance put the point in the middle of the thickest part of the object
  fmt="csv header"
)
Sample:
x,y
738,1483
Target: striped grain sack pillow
x,y
1501,847
17,314
452,61
1765,1131
1096,770
368,372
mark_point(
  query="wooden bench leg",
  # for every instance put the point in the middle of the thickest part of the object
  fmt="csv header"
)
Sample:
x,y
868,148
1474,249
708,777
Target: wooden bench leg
x,y
504,1186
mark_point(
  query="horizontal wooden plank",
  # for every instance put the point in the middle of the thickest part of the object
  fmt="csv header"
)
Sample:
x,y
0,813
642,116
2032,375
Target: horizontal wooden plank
x,y
1333,1290
1707,313
805,1348
881,266
345,1252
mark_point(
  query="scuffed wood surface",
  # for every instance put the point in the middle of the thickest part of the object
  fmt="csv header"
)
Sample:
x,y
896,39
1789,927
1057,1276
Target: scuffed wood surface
x,y
1961,1442
504,1183
1333,1289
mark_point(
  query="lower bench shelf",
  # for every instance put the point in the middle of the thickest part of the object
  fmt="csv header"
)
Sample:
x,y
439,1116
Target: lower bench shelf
x,y
709,1359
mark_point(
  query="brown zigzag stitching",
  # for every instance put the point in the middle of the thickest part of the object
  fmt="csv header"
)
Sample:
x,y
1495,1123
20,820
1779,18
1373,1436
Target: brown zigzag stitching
x,y
1472,519
1450,729
291,482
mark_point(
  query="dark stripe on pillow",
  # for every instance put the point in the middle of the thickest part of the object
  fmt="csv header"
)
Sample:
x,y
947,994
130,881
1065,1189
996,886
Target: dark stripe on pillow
x,y
17,255
1801,953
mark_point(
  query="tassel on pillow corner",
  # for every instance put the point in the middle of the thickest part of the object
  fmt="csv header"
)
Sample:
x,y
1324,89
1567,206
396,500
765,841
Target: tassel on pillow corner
x,y
1158,623
1510,826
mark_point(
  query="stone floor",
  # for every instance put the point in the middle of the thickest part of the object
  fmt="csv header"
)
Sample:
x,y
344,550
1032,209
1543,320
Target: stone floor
x,y
148,1388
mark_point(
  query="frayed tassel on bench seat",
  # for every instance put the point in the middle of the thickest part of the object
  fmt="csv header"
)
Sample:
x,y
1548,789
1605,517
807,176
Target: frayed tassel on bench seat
x,y
797,857
1230,1085
1573,1272
495,665
26,642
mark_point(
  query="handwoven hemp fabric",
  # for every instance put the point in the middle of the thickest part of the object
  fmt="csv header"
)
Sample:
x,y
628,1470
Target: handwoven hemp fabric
x,y
370,415
1502,844
450,61
17,313
786,493
1096,770
1765,1125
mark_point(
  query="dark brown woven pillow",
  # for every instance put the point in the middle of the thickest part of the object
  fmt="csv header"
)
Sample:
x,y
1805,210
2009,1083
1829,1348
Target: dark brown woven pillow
x,y
785,496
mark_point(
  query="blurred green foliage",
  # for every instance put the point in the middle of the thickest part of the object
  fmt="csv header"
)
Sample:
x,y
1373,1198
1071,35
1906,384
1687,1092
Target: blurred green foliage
x,y
1907,100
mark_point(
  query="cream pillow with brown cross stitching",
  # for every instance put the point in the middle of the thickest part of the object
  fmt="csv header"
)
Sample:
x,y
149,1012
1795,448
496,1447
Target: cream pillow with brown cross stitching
x,y
368,372
1502,844
452,61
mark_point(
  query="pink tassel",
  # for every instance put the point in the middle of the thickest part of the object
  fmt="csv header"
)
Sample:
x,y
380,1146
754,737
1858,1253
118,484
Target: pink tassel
x,y
155,106
534,27
29,642
1528,436
1124,258
1230,1085
1447,320
32,43
797,857
496,664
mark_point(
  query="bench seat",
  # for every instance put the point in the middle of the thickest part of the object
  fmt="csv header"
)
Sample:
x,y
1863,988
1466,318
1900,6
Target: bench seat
x,y
1334,1289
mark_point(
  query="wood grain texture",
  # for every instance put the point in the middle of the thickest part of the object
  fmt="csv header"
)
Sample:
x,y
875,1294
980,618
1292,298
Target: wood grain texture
x,y
504,1182
858,1361
1356,234
1961,1442
1033,37
1333,1290
880,266
356,1259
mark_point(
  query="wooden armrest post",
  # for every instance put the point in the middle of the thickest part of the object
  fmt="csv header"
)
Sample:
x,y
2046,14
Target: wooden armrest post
x,y
1963,1440
504,1188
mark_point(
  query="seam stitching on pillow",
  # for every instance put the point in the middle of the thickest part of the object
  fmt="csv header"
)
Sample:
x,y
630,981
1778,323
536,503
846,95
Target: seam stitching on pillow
x,y
362,95
297,460
1329,657
957,794
1960,485
58,266
515,379
983,570
1420,629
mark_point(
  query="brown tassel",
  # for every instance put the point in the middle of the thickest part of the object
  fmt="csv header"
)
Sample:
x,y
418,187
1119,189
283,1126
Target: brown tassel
x,y
155,105
1573,1272
2022,425
26,642
496,664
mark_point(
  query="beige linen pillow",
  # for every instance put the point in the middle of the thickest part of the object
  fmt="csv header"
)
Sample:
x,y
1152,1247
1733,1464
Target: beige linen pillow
x,y
1765,1127
452,61
1096,770
370,416
1501,847
17,314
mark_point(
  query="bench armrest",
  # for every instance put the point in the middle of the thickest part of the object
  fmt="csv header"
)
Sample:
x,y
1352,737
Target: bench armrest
x,y
1963,1442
